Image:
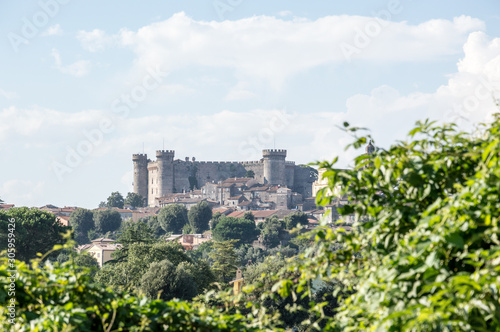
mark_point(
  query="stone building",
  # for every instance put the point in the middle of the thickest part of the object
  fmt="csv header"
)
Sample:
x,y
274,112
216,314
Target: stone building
x,y
166,175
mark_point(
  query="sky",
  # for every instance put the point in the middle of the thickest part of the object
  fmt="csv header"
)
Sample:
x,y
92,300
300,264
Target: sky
x,y
85,84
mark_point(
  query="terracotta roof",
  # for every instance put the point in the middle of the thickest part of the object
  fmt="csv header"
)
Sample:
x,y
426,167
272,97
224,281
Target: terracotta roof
x,y
256,214
224,211
235,197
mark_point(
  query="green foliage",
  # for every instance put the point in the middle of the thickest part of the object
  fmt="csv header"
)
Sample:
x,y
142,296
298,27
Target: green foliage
x,y
249,216
187,229
154,225
270,232
58,297
199,217
215,219
293,220
224,260
107,220
135,200
115,200
250,174
172,218
240,229
261,279
35,231
426,251
84,260
82,221
135,232
201,253
165,281
134,261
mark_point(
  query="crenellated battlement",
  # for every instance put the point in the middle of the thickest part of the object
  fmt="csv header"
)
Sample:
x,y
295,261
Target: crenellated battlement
x,y
140,157
165,154
290,163
274,153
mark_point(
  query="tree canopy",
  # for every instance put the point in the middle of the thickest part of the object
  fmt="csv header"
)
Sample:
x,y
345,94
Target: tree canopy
x,y
173,217
240,229
107,221
82,221
135,200
35,232
115,200
199,216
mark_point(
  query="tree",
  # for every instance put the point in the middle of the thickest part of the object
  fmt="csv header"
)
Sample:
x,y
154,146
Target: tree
x,y
133,261
250,174
270,233
115,200
135,200
154,224
1,201
135,232
34,231
82,221
102,204
88,261
224,259
107,220
166,281
173,217
215,219
297,218
199,217
249,216
229,228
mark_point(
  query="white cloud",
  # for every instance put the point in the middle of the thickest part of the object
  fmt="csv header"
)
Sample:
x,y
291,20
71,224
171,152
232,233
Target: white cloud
x,y
95,40
285,13
54,30
7,94
28,192
274,49
43,127
177,89
469,97
78,69
240,92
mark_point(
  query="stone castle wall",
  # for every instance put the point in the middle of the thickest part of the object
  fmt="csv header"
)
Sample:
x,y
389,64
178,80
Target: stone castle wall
x,y
153,179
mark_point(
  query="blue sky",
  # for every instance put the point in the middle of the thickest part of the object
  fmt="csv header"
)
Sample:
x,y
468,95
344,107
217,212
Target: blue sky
x,y
84,84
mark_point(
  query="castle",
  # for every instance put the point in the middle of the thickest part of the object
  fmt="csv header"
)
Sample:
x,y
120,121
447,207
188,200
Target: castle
x,y
156,179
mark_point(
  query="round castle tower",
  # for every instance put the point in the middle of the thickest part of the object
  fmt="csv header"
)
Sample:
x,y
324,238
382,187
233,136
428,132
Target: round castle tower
x,y
165,162
141,174
274,166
